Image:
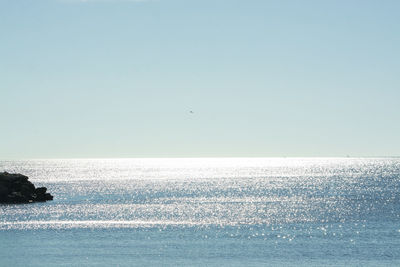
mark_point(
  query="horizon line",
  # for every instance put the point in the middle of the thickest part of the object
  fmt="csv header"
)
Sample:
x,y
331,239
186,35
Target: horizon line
x,y
217,157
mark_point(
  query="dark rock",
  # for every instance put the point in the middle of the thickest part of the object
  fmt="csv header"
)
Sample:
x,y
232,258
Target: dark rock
x,y
40,194
47,196
28,189
40,198
3,189
15,188
17,197
40,190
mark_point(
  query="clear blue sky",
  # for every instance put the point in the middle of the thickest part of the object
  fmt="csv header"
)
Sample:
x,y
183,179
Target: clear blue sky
x,y
114,78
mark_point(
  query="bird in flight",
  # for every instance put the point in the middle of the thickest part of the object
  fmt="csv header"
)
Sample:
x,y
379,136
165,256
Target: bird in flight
x,y
191,112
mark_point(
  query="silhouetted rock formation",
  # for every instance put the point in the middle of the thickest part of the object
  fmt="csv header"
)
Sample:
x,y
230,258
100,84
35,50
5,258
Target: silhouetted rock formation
x,y
15,188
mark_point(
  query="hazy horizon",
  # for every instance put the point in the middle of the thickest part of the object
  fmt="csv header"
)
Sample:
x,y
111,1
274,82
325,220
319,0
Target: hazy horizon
x,y
210,158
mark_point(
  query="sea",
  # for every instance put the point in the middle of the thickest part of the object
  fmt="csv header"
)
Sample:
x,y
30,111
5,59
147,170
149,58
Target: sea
x,y
206,212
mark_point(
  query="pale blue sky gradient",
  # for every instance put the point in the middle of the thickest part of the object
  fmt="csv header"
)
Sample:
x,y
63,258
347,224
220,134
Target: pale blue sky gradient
x,y
264,78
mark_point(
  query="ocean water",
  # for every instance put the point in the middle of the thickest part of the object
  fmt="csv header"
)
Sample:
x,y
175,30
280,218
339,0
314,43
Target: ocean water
x,y
206,212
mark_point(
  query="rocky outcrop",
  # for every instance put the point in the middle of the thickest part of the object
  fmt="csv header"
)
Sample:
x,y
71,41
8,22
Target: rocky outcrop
x,y
15,188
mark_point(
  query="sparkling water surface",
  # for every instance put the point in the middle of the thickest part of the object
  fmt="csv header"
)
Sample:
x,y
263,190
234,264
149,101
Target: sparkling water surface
x,y
173,212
